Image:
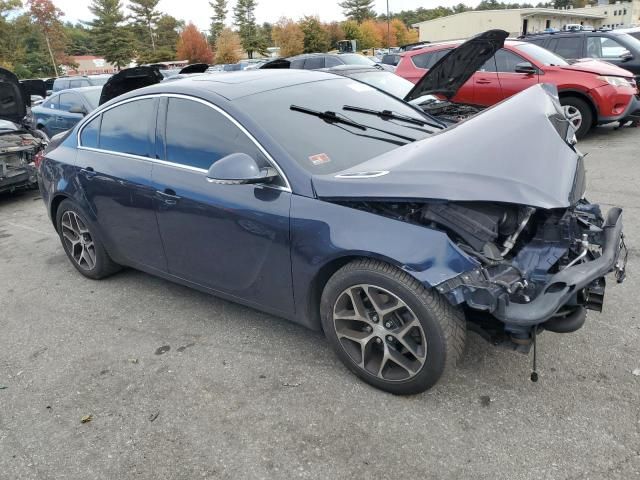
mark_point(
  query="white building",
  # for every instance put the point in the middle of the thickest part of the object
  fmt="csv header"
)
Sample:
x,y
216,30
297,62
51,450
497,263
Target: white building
x,y
518,21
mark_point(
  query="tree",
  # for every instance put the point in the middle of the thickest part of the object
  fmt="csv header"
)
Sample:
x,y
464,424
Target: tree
x,y
145,18
167,34
316,38
193,46
80,41
358,10
47,17
370,35
228,47
217,21
288,35
245,19
335,33
114,40
351,30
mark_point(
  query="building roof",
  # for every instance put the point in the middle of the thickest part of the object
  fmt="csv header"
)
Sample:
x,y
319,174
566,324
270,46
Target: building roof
x,y
524,11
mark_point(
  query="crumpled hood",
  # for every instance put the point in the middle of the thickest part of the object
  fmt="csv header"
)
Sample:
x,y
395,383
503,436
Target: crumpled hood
x,y
597,67
12,104
498,156
456,67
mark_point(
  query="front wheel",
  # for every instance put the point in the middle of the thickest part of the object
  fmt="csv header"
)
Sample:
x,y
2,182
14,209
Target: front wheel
x,y
579,113
389,329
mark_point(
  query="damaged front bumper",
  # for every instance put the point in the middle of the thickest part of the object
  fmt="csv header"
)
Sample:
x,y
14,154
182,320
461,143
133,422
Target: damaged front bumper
x,y
571,286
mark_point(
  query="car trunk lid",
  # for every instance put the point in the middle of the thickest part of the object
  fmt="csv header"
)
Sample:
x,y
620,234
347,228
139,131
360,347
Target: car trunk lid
x,y
13,107
129,79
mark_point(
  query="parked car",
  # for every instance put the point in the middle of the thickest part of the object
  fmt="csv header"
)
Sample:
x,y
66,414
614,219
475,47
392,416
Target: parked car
x,y
20,143
434,91
592,92
64,109
283,190
66,83
317,61
613,46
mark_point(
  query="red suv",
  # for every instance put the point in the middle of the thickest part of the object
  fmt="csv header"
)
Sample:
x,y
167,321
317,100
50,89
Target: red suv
x,y
592,92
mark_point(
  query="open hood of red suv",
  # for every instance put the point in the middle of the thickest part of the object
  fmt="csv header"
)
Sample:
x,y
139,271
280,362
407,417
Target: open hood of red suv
x,y
598,67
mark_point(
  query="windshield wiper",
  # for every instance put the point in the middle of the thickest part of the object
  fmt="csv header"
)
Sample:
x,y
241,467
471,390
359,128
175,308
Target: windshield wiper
x,y
389,115
333,117
328,116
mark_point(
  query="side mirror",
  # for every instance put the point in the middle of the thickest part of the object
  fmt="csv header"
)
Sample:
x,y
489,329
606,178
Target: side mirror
x,y
239,169
626,56
78,109
526,68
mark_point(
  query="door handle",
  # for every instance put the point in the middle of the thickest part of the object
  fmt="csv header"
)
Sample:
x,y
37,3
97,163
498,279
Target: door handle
x,y
168,196
483,81
59,119
88,172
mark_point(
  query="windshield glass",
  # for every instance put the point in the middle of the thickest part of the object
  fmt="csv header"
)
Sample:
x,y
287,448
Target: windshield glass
x,y
541,55
356,59
631,40
387,81
93,96
98,81
320,146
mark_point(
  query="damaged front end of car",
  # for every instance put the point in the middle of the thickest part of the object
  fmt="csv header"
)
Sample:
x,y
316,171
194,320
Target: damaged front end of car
x,y
509,192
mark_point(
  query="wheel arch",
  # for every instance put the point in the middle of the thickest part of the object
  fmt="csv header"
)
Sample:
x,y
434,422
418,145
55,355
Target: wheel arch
x,y
55,204
582,96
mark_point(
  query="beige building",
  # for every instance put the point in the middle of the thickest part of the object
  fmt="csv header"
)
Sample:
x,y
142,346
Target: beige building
x,y
91,65
528,20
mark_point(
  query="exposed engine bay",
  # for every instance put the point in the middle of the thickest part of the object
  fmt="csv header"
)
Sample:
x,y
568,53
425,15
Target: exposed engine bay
x,y
519,251
18,149
449,111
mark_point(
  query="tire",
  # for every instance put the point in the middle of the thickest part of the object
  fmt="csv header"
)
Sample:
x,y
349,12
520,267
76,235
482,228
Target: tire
x,y
81,242
574,104
428,349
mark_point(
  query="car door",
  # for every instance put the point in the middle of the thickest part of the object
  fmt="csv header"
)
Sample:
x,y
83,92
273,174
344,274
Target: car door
x,y
115,160
512,82
486,85
608,49
66,120
569,48
46,114
230,238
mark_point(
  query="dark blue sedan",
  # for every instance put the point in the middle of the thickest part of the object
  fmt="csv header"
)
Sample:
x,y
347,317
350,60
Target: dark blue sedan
x,y
64,109
325,201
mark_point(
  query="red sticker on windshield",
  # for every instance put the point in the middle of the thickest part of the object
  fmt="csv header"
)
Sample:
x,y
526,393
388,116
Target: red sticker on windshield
x,y
319,159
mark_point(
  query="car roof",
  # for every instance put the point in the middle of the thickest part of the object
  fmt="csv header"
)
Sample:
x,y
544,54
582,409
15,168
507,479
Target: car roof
x,y
452,43
80,90
234,85
341,69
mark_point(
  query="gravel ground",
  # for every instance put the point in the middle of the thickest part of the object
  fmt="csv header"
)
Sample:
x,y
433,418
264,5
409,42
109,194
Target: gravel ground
x,y
182,385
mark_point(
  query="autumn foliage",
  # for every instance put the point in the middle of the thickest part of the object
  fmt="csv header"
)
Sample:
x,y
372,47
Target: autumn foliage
x,y
228,47
193,46
288,35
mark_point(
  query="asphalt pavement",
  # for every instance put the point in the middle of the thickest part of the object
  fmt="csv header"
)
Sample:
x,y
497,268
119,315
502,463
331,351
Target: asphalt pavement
x,y
175,384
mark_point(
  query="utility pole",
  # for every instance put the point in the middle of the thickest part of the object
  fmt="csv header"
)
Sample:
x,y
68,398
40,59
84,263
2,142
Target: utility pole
x,y
388,30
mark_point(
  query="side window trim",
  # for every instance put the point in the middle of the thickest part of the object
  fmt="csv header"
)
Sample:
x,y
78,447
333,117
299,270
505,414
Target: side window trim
x,y
161,96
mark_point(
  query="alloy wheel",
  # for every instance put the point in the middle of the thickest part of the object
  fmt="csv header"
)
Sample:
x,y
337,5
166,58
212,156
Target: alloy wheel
x,y
78,240
379,332
573,115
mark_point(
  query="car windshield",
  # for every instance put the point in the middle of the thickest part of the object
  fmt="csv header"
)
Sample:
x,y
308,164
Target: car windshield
x,y
356,59
542,55
631,40
93,96
386,81
322,146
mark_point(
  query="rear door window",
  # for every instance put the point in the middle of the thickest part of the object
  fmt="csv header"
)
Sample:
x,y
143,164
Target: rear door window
x,y
129,128
297,63
422,60
567,47
604,47
331,62
198,136
67,100
314,63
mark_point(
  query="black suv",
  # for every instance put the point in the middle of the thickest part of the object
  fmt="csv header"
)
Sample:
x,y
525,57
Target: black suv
x,y
615,47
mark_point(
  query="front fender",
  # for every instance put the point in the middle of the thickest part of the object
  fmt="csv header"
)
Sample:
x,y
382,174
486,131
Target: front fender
x,y
322,232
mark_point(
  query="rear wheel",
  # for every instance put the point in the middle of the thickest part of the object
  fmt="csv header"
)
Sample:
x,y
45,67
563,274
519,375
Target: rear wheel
x,y
579,114
389,329
82,244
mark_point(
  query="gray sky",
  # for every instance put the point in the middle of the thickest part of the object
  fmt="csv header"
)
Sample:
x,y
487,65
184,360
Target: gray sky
x,y
198,11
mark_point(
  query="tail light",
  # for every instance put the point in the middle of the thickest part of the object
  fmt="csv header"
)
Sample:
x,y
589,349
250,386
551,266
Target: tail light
x,y
37,159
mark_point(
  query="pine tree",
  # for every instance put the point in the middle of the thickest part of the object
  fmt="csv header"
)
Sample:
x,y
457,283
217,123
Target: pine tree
x,y
217,21
113,38
245,19
358,10
145,19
